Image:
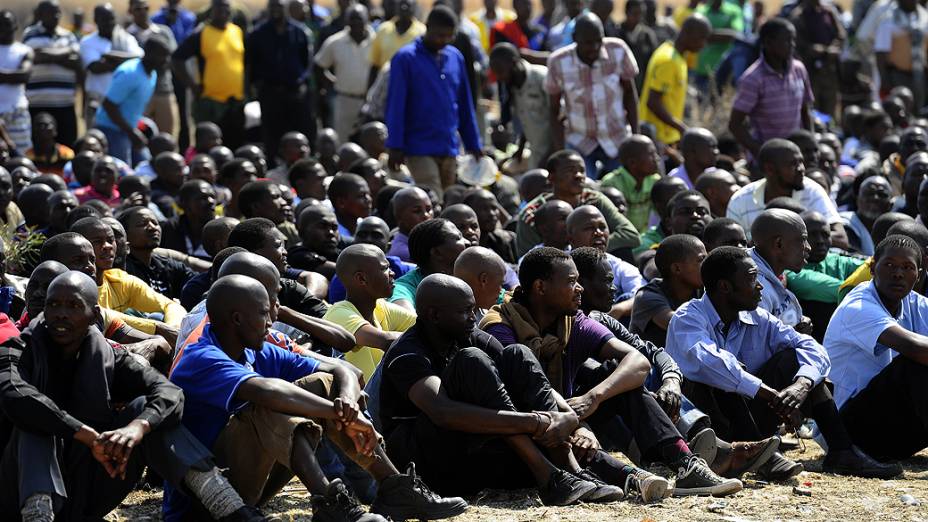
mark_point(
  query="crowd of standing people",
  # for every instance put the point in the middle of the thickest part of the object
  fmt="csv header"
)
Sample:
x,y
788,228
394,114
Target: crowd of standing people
x,y
405,255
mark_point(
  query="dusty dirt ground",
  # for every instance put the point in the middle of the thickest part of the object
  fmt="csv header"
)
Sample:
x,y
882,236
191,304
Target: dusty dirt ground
x,y
833,499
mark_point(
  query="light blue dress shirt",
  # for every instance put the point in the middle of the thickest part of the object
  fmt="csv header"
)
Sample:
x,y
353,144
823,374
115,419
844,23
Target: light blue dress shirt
x,y
775,298
853,333
728,360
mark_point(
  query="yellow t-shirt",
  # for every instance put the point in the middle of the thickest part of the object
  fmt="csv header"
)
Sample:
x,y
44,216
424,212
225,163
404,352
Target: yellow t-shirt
x,y
223,52
387,41
387,317
680,15
861,275
121,291
666,74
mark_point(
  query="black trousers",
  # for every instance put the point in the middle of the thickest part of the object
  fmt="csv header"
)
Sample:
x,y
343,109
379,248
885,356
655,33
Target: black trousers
x,y
635,411
736,417
285,109
183,114
889,418
80,487
464,463
66,119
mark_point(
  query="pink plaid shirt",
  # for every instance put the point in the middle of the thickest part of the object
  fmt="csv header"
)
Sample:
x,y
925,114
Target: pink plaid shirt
x,y
593,95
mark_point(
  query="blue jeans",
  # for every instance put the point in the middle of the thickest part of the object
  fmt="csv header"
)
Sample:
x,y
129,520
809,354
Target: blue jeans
x,y
120,146
690,416
597,162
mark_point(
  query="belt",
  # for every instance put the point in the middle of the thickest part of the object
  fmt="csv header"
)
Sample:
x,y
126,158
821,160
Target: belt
x,y
355,96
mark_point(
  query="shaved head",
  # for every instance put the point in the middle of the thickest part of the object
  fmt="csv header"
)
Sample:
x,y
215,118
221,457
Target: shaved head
x,y
356,258
483,270
253,266
38,283
581,215
439,291
782,239
775,222
552,210
76,283
239,312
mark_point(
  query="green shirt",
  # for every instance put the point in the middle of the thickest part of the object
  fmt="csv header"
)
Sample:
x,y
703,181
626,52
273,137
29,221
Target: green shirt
x,y
621,231
822,281
639,199
405,287
650,239
728,16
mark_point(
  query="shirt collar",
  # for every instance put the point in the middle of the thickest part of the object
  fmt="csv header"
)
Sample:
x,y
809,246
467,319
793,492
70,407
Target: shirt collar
x,y
708,309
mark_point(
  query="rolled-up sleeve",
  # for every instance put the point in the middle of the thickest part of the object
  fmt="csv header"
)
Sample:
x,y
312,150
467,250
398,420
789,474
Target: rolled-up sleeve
x,y
701,360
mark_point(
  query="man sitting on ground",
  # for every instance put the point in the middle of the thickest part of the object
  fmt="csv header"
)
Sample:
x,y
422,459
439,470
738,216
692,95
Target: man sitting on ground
x,y
434,245
318,248
723,231
243,393
877,344
726,459
91,477
119,290
750,372
780,242
365,312
411,206
544,314
164,275
371,231
434,395
586,227
483,270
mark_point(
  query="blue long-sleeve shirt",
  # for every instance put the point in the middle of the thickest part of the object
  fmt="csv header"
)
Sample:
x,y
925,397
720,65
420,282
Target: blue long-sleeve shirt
x,y
705,354
429,103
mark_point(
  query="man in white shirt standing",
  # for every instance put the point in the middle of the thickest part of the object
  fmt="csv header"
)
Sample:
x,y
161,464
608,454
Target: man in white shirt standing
x,y
784,176
101,53
346,54
15,68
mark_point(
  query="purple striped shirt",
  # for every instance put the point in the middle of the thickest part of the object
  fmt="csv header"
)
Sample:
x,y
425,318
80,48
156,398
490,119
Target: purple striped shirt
x,y
773,101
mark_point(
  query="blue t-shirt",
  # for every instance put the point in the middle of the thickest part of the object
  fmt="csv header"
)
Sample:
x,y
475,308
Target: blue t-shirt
x,y
210,380
853,334
130,90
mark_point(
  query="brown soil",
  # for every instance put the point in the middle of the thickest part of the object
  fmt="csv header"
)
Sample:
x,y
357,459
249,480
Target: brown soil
x,y
833,498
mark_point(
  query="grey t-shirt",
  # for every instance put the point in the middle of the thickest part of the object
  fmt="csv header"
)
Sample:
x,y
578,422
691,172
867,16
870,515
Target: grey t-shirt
x,y
650,301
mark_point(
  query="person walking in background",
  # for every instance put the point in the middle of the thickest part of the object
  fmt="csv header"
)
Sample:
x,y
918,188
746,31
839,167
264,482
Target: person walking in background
x,y
427,106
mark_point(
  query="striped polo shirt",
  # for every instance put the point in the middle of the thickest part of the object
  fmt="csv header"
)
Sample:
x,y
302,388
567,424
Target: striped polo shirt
x,y
773,100
50,85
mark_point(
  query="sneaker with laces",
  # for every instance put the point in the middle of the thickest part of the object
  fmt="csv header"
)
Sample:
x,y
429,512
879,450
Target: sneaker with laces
x,y
405,496
604,492
694,477
647,486
564,489
338,505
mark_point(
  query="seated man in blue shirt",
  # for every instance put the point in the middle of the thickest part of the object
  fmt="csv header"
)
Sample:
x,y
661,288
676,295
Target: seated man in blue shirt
x,y
544,314
726,459
750,372
73,454
879,352
780,242
259,408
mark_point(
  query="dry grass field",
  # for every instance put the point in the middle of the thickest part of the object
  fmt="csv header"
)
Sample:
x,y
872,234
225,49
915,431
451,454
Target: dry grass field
x,y
833,499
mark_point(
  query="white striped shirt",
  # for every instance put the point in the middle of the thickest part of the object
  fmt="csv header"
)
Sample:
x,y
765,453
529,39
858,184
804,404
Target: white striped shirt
x,y
50,85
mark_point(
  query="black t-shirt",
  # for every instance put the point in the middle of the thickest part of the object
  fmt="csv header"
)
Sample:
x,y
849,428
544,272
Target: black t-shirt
x,y
165,275
295,296
408,361
305,259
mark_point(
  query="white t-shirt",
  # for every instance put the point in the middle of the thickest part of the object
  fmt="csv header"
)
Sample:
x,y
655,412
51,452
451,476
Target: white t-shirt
x,y
94,46
852,337
12,95
746,204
